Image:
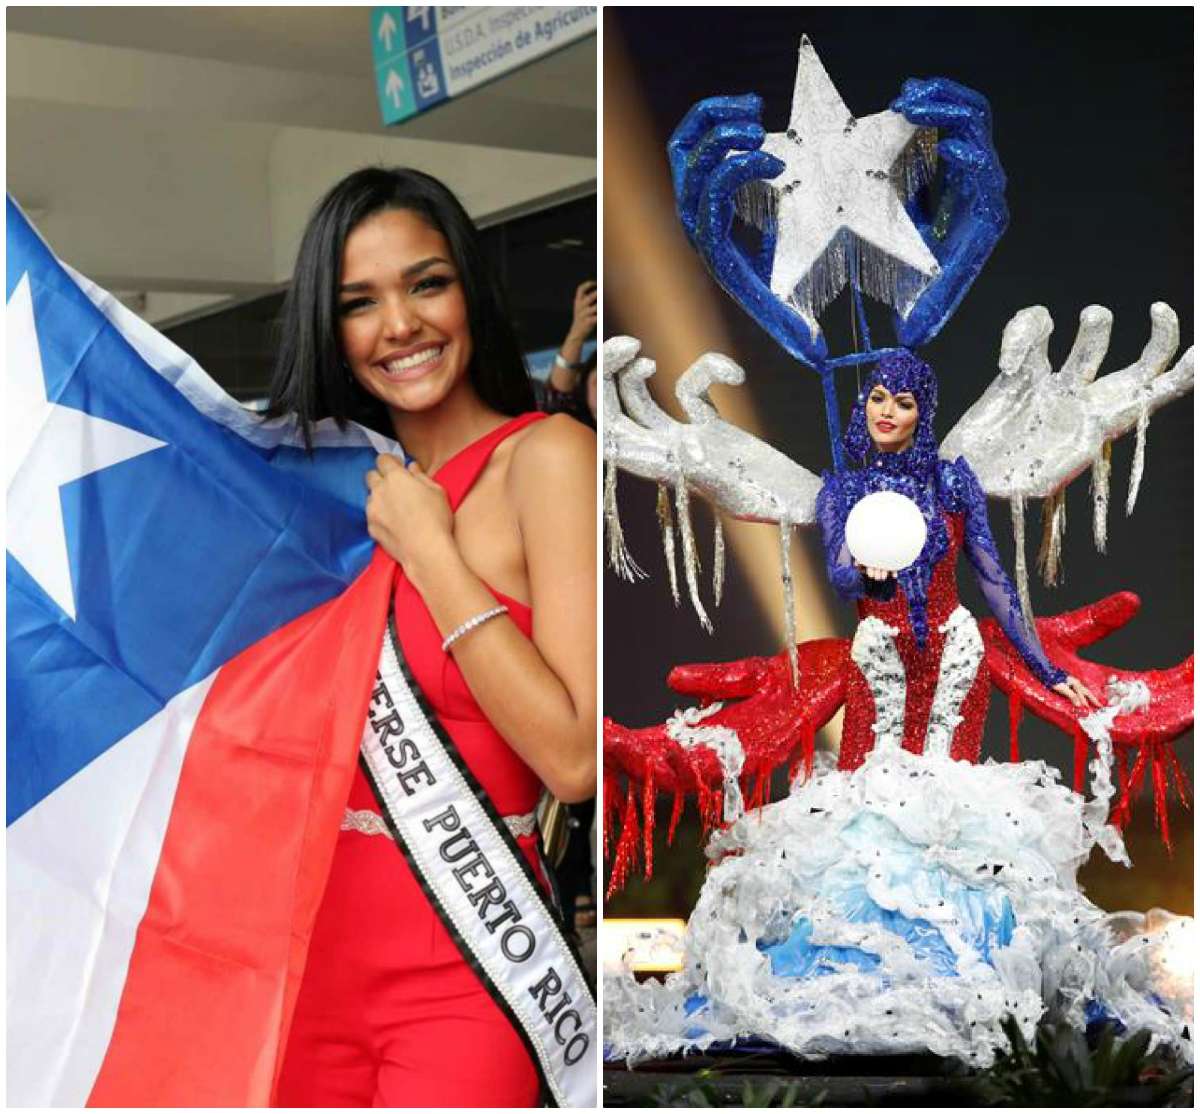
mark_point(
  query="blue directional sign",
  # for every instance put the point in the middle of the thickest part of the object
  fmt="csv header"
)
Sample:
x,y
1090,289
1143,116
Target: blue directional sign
x,y
425,55
425,61
393,81
420,24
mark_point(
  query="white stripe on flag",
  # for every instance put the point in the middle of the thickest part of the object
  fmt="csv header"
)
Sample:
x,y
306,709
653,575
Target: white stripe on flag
x,y
207,396
80,866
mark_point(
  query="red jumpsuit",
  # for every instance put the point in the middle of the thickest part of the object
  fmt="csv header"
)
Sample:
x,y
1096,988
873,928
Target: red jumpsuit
x,y
389,1014
921,668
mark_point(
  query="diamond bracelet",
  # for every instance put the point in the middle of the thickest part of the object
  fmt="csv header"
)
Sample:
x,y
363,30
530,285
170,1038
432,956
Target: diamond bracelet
x,y
470,625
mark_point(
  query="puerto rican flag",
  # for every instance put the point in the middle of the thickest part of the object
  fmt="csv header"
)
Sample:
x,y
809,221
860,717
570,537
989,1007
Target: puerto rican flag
x,y
194,616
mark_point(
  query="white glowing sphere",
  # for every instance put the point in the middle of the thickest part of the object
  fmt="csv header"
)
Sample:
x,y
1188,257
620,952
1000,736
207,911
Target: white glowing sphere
x,y
885,530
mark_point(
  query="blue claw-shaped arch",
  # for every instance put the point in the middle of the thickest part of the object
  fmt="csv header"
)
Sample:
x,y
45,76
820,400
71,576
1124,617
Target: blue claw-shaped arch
x,y
715,151
972,213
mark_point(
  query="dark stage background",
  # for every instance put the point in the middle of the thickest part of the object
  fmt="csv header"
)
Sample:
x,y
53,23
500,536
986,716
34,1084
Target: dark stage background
x,y
1093,122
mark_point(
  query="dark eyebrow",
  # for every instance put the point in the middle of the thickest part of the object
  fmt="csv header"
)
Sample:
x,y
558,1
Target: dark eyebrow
x,y
408,272
424,265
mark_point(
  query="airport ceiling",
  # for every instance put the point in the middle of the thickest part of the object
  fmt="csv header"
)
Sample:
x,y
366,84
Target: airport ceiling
x,y
327,40
173,153
548,106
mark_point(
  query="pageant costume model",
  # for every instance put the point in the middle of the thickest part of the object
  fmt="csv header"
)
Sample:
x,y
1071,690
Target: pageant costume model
x,y
915,617
909,898
438,973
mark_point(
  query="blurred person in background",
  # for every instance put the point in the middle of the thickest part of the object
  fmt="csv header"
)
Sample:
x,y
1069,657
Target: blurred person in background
x,y
571,387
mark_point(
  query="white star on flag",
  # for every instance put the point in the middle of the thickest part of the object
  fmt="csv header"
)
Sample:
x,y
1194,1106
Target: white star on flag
x,y
49,445
838,178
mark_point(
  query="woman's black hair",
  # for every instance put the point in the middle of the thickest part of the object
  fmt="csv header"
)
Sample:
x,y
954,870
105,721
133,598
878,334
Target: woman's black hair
x,y
311,379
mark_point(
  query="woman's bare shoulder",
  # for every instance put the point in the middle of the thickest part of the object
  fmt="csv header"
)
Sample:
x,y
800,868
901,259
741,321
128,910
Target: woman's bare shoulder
x,y
556,433
556,447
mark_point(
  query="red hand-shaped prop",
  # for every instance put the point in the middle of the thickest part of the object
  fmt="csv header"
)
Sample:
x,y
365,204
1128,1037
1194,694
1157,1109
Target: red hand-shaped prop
x,y
1145,736
774,723
777,724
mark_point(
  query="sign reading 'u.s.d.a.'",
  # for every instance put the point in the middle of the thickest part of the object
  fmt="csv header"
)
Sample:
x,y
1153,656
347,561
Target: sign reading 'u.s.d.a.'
x,y
426,55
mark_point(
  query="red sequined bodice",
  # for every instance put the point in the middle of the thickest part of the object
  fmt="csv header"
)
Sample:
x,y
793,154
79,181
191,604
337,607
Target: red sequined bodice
x,y
942,597
922,665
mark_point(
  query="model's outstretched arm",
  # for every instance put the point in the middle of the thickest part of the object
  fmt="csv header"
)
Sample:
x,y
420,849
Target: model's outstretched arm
x,y
1001,595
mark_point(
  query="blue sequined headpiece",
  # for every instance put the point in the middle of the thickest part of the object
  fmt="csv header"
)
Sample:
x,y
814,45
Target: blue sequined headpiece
x,y
898,372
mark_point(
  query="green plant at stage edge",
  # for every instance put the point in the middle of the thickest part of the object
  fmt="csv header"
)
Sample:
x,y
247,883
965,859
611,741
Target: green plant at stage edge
x,y
1064,1068
702,1091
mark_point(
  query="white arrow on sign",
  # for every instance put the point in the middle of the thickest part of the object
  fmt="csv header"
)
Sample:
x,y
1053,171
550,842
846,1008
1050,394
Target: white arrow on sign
x,y
394,87
387,28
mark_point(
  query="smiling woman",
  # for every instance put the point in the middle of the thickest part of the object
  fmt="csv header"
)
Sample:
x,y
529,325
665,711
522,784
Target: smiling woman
x,y
346,252
394,321
405,333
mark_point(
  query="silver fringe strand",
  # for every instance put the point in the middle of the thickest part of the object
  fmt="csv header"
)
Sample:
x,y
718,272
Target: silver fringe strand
x,y
667,527
1101,482
1054,528
789,598
620,560
882,276
917,163
755,204
691,558
718,558
1139,459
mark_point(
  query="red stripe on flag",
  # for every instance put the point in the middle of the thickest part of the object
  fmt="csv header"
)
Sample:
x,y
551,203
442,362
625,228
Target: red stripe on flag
x,y
218,957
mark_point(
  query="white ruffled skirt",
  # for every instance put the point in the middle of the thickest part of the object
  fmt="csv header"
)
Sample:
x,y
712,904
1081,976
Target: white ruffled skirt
x,y
907,906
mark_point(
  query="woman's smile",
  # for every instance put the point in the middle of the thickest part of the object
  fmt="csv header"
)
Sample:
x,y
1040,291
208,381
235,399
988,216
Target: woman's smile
x,y
413,363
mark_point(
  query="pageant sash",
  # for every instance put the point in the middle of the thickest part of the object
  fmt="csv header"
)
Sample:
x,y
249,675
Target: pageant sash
x,y
478,880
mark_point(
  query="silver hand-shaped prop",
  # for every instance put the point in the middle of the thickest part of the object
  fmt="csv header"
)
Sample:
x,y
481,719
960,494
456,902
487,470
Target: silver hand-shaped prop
x,y
736,472
1032,432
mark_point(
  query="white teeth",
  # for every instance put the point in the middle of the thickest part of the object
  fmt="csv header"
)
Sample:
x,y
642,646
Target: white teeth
x,y
422,357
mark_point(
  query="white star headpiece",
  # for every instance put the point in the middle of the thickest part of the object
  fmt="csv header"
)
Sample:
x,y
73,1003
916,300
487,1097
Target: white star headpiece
x,y
839,201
